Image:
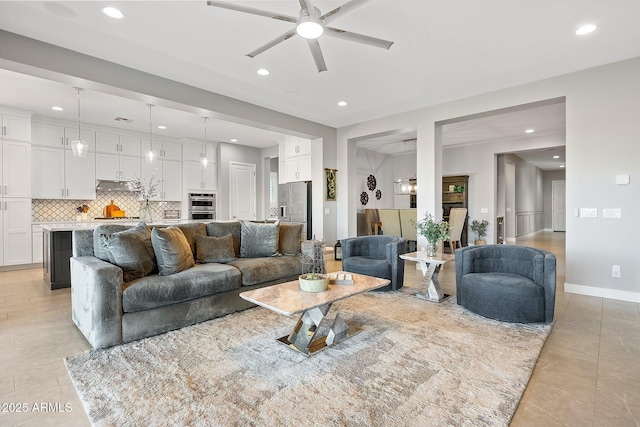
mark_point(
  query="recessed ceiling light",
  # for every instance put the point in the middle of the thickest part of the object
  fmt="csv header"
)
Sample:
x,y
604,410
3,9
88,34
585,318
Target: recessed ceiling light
x,y
556,157
162,127
112,12
342,103
263,72
530,130
586,29
561,166
57,108
233,140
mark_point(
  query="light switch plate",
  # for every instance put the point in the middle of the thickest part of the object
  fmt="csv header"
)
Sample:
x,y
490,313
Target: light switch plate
x,y
622,179
484,210
588,212
612,213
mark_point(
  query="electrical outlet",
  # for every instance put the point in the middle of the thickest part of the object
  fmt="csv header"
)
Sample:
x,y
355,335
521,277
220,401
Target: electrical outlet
x,y
615,271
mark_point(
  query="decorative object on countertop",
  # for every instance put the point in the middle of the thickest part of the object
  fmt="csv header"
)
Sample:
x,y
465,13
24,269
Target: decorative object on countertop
x,y
82,213
330,175
313,282
434,231
148,189
480,229
313,257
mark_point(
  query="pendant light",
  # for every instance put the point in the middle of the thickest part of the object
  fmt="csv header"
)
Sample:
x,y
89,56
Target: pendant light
x,y
78,146
150,155
203,155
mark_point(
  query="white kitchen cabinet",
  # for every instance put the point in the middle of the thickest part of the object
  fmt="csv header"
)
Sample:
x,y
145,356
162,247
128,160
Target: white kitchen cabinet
x,y
15,220
199,178
115,167
296,163
50,135
110,143
36,244
16,169
58,174
192,152
169,173
16,127
130,146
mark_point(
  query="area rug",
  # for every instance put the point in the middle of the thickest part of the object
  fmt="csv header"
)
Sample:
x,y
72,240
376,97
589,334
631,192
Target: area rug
x,y
415,363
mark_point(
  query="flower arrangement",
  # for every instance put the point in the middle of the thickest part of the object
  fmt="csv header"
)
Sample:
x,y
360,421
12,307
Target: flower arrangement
x,y
434,231
147,188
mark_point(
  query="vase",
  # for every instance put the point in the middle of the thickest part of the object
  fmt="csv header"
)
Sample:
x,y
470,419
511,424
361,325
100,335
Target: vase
x,y
432,248
145,213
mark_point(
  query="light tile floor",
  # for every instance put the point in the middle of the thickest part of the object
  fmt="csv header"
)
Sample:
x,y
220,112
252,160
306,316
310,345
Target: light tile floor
x,y
588,373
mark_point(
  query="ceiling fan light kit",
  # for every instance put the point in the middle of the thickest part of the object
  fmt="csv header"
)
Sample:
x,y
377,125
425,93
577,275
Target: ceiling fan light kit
x,y
310,25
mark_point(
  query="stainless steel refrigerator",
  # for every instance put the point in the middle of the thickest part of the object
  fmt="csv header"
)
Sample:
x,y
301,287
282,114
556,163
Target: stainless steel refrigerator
x,y
294,201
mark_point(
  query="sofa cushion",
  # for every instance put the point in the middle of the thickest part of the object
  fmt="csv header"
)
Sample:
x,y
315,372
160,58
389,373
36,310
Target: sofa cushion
x,y
220,229
215,249
191,230
259,270
157,291
172,250
289,238
258,239
132,251
100,249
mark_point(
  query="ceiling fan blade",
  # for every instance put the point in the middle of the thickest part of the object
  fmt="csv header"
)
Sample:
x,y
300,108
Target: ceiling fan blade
x,y
358,38
343,10
272,43
314,46
245,9
306,6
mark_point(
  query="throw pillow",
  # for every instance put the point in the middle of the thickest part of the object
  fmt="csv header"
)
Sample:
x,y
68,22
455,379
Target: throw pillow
x,y
172,250
100,249
220,229
191,230
132,251
258,239
215,249
290,237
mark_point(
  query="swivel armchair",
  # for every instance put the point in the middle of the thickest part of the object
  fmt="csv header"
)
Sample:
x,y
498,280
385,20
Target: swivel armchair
x,y
376,256
508,283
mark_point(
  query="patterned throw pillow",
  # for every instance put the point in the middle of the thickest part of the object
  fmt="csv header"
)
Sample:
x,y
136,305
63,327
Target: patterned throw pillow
x,y
172,250
215,249
258,239
132,251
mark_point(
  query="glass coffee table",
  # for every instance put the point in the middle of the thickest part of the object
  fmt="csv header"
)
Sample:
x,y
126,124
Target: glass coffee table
x,y
430,269
309,334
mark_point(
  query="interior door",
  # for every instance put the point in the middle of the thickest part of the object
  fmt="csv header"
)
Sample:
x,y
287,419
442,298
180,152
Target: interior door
x,y
558,205
242,189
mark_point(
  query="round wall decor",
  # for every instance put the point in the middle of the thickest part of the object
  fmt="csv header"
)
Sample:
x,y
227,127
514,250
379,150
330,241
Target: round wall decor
x,y
378,194
371,182
364,198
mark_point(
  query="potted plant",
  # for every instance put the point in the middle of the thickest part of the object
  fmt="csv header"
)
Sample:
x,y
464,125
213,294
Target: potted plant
x,y
480,229
314,282
434,231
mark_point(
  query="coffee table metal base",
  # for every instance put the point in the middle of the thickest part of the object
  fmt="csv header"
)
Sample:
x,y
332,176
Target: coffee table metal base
x,y
304,336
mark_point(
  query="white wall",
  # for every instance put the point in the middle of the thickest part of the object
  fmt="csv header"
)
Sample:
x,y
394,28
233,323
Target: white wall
x,y
603,104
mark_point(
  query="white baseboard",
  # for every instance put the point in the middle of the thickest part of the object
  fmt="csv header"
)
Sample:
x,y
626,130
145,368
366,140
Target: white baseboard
x,y
602,292
510,239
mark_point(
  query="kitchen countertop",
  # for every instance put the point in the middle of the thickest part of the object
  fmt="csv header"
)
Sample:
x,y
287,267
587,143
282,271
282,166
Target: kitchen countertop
x,y
91,224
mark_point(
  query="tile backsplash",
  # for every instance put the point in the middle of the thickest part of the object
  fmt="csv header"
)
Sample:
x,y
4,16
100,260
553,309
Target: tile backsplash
x,y
46,210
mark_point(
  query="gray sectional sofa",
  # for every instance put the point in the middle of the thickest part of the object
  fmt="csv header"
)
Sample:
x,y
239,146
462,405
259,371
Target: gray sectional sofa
x,y
131,282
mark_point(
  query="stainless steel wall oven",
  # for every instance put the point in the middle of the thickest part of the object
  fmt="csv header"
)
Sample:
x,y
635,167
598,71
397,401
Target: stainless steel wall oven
x,y
202,206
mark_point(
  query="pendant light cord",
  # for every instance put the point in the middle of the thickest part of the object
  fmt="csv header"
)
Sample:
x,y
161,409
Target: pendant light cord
x,y
79,90
150,133
204,144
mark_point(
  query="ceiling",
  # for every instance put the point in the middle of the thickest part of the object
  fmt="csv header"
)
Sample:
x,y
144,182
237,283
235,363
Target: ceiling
x,y
442,51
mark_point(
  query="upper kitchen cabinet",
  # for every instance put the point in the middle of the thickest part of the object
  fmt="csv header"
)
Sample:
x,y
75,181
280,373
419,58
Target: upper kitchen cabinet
x,y
118,144
196,176
58,174
294,160
168,167
57,136
16,127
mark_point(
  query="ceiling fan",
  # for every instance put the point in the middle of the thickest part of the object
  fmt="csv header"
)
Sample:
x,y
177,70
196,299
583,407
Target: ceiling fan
x,y
310,24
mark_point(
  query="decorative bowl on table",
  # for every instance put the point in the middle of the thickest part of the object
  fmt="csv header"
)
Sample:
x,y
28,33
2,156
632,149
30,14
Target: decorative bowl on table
x,y
313,282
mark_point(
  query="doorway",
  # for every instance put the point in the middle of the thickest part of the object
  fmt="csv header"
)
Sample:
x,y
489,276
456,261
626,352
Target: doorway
x,y
558,205
242,188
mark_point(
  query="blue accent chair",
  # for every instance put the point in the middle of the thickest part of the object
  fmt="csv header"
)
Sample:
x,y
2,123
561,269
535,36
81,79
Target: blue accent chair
x,y
376,256
508,283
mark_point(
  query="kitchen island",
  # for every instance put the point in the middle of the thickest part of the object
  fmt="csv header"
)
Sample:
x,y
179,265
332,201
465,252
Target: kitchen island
x,y
57,249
